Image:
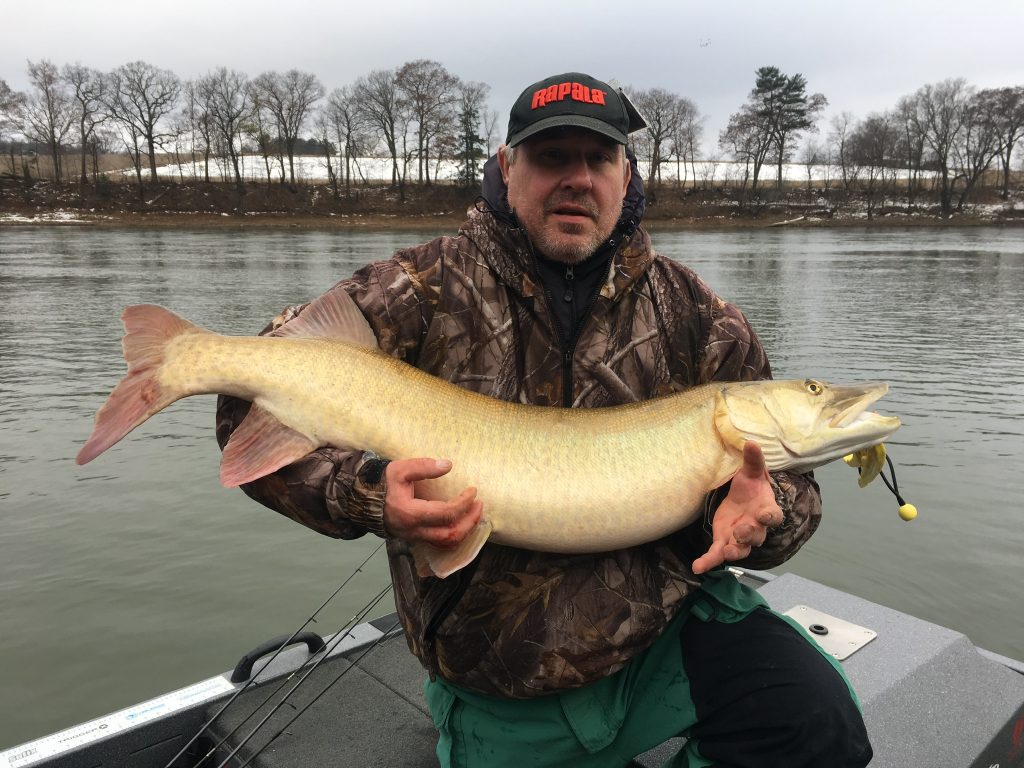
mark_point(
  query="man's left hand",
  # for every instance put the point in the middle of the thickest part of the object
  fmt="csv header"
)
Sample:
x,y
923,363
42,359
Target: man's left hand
x,y
743,518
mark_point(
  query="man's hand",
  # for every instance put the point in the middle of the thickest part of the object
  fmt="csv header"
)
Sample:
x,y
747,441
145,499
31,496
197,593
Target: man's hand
x,y
743,518
441,523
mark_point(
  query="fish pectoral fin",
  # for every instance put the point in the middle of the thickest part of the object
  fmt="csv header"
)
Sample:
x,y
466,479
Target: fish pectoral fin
x,y
431,560
259,446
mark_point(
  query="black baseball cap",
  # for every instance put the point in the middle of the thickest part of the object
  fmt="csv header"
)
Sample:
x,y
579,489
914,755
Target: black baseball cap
x,y
573,99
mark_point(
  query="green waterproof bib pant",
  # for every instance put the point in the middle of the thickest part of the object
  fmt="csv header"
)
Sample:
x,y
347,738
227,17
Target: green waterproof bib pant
x,y
744,684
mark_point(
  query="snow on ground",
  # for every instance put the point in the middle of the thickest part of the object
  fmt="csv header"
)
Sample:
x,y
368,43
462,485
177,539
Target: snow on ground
x,y
314,168
46,217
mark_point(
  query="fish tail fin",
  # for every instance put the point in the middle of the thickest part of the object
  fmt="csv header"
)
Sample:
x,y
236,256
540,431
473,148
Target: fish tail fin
x,y
148,330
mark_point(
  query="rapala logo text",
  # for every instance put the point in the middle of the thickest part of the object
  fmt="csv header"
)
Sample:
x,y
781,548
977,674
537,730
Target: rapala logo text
x,y
561,91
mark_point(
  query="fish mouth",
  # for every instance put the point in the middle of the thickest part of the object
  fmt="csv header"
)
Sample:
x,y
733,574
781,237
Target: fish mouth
x,y
850,403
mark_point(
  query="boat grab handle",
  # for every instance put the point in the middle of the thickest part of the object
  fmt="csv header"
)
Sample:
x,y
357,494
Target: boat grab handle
x,y
243,670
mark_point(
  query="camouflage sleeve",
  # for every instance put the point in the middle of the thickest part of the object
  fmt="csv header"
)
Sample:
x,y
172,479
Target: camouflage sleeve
x,y
328,490
734,353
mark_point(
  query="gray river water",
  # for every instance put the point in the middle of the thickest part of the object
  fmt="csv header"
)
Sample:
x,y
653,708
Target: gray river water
x,y
138,573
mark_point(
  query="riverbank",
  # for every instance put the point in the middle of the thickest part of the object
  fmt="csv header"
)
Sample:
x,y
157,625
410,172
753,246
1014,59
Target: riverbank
x,y
443,207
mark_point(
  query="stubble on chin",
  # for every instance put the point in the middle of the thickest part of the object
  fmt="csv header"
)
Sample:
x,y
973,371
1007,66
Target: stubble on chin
x,y
566,245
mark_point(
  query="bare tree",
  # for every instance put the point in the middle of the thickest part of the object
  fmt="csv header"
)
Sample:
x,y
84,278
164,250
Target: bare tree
x,y
1006,106
260,129
660,109
12,106
323,129
289,97
687,137
224,95
491,117
980,143
383,109
748,140
200,125
839,140
873,148
140,96
938,117
48,111
87,97
431,93
810,158
911,143
347,122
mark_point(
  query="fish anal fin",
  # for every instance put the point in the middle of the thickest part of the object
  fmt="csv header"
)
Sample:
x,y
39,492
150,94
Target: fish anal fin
x,y
333,315
435,561
260,445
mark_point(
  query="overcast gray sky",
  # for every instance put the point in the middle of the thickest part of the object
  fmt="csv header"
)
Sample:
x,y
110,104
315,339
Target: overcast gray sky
x,y
862,55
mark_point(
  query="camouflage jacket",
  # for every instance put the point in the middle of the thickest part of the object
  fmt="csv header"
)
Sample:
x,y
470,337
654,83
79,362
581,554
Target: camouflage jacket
x,y
469,309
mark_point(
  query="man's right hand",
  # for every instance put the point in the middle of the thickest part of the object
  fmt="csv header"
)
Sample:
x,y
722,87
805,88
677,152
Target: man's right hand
x,y
441,523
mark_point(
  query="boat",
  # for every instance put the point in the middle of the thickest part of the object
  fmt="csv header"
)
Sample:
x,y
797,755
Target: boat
x,y
931,699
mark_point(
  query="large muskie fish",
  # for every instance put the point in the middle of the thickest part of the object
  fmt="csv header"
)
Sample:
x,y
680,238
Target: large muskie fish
x,y
551,479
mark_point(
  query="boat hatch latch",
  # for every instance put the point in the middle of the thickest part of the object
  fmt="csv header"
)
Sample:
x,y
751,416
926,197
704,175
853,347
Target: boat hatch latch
x,y
836,636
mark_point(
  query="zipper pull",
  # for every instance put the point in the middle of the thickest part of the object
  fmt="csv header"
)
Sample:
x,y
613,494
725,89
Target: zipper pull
x,y
569,277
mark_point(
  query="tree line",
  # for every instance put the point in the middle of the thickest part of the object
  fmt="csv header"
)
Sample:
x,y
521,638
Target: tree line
x,y
418,113
943,138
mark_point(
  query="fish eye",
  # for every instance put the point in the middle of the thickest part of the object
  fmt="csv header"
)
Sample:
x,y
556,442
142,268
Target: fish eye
x,y
813,387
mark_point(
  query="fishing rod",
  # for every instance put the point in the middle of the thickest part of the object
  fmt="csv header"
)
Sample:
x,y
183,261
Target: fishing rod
x,y
354,662
364,611
252,679
324,653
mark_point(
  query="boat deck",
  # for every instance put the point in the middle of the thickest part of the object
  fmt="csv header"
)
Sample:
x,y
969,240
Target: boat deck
x,y
931,699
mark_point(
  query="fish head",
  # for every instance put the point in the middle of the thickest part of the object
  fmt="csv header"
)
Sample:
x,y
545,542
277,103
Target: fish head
x,y
801,425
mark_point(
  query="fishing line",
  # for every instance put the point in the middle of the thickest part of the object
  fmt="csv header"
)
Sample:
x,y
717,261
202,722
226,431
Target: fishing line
x,y
327,651
907,511
252,678
869,461
338,637
353,662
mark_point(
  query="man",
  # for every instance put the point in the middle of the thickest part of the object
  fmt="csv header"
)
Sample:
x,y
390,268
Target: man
x,y
551,294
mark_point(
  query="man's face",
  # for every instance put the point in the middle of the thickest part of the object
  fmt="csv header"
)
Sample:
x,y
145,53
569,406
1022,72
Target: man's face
x,y
567,186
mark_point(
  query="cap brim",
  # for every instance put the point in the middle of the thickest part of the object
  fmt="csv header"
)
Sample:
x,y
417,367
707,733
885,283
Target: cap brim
x,y
570,121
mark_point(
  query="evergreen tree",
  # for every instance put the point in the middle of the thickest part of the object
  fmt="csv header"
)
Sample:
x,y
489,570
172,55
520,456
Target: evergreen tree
x,y
784,109
472,147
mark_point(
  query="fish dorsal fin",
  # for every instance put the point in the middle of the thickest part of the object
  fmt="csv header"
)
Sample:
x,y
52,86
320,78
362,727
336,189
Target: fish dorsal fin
x,y
333,316
431,560
259,446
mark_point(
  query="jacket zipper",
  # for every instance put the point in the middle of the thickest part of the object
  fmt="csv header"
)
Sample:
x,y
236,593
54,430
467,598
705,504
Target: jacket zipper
x,y
569,296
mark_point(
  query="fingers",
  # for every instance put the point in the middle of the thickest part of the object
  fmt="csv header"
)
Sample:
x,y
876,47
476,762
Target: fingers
x,y
443,523
410,470
748,535
714,557
753,460
771,517
722,550
441,514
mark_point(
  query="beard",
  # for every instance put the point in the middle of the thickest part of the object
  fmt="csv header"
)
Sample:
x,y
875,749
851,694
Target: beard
x,y
574,243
